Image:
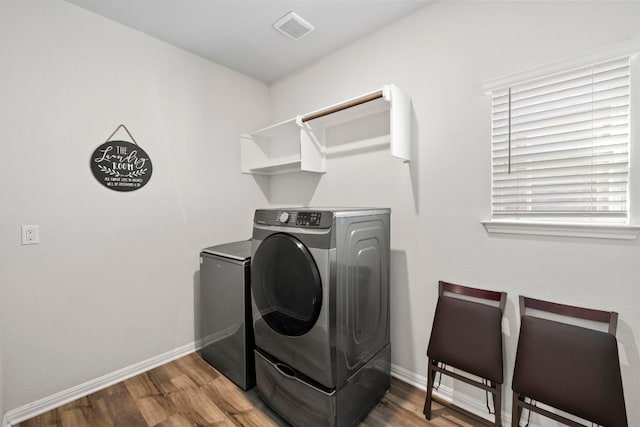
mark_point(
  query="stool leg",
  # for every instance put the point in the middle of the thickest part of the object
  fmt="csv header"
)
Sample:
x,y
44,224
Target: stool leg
x,y
516,410
497,403
427,403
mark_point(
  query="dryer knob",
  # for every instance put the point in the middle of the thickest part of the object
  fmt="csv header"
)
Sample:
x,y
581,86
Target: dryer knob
x,y
284,217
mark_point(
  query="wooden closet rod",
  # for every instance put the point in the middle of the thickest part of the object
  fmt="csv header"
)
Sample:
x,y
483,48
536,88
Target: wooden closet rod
x,y
344,106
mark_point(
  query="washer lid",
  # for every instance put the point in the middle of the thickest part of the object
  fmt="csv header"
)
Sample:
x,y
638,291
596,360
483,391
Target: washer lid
x,y
240,250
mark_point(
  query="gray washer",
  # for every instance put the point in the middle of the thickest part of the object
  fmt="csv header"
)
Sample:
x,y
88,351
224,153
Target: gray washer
x,y
225,307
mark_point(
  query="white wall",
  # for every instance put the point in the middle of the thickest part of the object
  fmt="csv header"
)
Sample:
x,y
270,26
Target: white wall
x,y
112,282
440,56
1,379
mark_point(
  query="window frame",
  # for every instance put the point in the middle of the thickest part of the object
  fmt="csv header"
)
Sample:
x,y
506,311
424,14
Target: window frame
x,y
625,231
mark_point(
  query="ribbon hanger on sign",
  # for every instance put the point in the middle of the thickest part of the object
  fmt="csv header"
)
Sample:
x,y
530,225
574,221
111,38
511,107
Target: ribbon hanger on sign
x,y
126,130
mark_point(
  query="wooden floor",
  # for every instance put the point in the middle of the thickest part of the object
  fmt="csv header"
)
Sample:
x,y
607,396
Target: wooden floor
x,y
189,392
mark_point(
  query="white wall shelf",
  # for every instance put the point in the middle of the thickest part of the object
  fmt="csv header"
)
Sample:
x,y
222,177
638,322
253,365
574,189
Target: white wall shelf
x,y
300,144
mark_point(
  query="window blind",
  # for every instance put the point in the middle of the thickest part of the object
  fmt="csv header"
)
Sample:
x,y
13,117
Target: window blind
x,y
560,146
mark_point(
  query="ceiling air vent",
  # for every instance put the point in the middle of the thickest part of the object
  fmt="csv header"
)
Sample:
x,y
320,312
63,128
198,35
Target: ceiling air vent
x,y
293,26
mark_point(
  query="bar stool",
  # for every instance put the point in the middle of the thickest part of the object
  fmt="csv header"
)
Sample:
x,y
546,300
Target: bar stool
x,y
567,367
467,335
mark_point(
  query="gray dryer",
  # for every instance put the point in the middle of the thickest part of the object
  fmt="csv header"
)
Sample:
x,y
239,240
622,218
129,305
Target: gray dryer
x,y
320,299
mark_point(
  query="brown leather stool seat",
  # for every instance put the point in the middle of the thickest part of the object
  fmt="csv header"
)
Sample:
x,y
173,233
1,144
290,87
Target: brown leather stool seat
x,y
467,335
570,368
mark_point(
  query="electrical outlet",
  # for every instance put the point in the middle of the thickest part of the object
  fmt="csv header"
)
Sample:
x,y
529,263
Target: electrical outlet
x,y
30,235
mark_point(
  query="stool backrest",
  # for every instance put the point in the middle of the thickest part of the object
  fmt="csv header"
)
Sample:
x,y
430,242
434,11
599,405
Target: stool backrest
x,y
501,297
609,317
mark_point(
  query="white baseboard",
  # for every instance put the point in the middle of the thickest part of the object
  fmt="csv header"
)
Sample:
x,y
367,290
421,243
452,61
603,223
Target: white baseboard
x,y
38,407
409,377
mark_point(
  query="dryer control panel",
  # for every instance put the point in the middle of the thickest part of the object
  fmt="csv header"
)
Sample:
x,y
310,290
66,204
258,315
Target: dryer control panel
x,y
294,218
310,219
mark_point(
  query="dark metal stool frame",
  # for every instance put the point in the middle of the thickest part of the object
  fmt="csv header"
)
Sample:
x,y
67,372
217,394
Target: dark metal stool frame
x,y
609,317
489,386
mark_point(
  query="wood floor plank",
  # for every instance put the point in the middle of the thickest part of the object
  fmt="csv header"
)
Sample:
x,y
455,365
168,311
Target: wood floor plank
x,y
161,378
234,403
386,413
75,417
48,419
152,410
445,417
189,392
253,418
197,369
141,386
121,407
195,405
407,398
176,420
101,410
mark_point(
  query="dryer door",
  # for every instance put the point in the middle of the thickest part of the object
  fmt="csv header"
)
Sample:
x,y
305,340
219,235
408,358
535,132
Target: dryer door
x,y
286,285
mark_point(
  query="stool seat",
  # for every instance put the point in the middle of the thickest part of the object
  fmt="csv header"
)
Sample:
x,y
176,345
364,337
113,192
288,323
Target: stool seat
x,y
467,335
570,368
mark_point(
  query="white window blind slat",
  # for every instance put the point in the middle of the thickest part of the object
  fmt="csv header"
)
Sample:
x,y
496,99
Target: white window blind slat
x,y
595,120
595,72
561,170
540,99
552,190
502,150
619,195
609,139
560,145
588,83
555,180
572,135
560,150
600,108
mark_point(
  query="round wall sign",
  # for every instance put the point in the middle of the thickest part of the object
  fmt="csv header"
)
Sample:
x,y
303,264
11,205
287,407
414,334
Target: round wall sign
x,y
121,166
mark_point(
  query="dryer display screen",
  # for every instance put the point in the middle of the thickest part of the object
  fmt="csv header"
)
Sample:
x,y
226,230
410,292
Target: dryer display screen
x,y
309,218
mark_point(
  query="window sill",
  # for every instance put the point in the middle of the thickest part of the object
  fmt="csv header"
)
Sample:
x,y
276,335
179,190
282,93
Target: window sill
x,y
595,231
